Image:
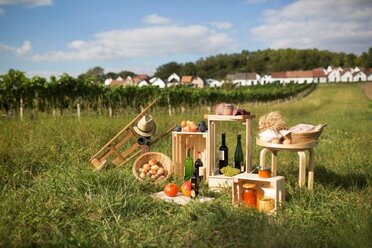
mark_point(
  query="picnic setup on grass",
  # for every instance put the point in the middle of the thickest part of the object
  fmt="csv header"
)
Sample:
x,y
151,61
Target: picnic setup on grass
x,y
199,157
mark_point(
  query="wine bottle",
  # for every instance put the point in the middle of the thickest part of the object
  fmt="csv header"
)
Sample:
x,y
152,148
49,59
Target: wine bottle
x,y
199,167
224,154
195,180
238,156
188,166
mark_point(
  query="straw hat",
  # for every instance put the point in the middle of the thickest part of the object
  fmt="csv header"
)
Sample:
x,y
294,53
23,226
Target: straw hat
x,y
145,126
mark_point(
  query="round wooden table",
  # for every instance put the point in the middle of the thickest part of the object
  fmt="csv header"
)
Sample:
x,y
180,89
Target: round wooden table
x,y
300,148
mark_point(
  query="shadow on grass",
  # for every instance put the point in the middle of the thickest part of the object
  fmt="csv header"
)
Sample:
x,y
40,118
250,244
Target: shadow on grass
x,y
328,177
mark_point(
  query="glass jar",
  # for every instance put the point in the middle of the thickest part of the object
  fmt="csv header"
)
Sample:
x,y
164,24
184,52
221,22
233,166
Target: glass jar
x,y
249,194
264,172
266,204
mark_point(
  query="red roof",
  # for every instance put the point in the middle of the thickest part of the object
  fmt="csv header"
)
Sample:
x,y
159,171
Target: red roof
x,y
186,79
282,74
140,77
319,72
299,74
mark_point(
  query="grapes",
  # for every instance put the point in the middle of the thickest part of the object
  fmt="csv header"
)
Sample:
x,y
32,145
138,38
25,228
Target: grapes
x,y
230,171
178,128
202,127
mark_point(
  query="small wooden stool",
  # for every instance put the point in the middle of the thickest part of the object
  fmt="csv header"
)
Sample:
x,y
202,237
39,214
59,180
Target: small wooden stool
x,y
300,149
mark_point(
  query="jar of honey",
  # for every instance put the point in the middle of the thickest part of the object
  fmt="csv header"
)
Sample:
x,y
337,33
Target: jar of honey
x,y
264,172
249,194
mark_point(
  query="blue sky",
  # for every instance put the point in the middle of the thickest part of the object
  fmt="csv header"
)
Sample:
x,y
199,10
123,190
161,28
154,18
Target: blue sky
x,y
45,37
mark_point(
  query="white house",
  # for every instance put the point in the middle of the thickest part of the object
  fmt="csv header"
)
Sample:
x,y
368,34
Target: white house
x,y
213,82
197,82
173,79
246,79
356,69
359,76
329,68
334,76
155,81
108,81
369,77
319,76
142,83
346,75
265,79
300,77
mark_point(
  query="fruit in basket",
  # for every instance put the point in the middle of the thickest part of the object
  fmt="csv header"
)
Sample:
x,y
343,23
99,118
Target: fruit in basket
x,y
183,124
153,170
186,188
171,189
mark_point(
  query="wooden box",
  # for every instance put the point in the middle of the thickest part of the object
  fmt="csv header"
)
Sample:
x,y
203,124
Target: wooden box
x,y
181,142
273,187
217,182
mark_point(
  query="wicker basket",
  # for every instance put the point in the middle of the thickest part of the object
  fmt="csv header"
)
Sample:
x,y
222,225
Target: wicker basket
x,y
305,137
162,159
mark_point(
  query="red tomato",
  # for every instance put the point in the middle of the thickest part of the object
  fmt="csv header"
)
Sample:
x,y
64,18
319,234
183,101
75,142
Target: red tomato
x,y
171,189
186,188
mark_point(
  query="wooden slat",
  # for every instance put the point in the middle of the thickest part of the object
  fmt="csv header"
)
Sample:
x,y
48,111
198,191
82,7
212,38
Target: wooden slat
x,y
131,157
125,154
117,153
120,143
137,118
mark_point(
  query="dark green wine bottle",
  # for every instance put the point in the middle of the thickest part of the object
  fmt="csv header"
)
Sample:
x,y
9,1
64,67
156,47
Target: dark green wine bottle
x,y
238,156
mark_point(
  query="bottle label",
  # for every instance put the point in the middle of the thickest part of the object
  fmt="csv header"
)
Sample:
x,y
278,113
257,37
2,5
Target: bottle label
x,y
201,171
222,155
242,168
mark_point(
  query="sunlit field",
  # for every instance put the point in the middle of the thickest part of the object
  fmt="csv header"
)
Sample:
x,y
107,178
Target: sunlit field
x,y
50,195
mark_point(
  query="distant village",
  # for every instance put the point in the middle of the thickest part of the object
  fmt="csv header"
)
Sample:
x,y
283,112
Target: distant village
x,y
318,75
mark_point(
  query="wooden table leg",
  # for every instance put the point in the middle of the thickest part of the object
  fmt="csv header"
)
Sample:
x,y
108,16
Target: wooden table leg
x,y
302,171
311,170
274,163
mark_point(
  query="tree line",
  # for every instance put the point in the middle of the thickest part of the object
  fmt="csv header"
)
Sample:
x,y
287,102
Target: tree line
x,y
56,95
264,62
261,61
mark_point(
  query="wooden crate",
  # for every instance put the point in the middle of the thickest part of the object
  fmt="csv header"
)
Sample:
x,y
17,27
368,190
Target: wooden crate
x,y
274,187
181,142
217,182
212,157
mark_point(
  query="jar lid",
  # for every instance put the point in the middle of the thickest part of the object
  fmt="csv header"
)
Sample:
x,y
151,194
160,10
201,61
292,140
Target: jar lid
x,y
249,185
266,198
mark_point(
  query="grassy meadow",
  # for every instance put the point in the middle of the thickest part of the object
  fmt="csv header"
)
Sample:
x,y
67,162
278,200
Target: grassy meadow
x,y
49,195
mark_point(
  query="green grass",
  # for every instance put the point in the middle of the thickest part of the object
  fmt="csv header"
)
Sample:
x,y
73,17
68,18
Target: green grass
x,y
50,196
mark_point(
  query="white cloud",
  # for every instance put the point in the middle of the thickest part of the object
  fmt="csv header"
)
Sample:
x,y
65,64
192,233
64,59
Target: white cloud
x,y
144,42
23,50
222,25
32,3
337,25
155,19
